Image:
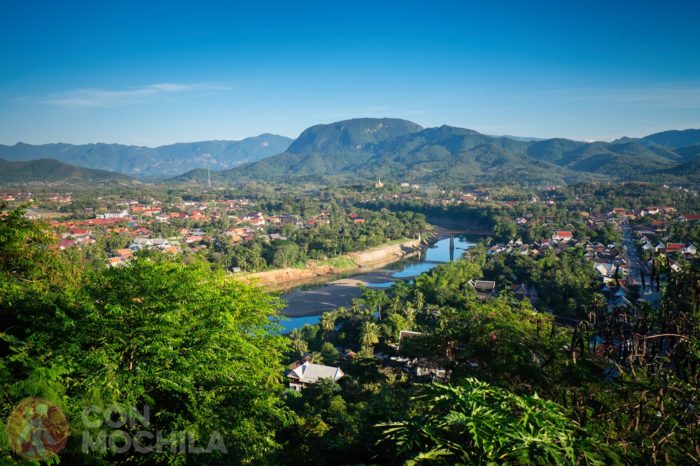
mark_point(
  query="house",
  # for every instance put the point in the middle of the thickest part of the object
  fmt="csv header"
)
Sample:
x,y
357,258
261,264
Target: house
x,y
619,211
483,286
151,212
171,250
689,218
115,262
690,250
563,236
405,335
427,368
120,214
146,243
257,222
125,254
607,270
239,231
78,232
308,374
521,291
658,225
140,243
674,247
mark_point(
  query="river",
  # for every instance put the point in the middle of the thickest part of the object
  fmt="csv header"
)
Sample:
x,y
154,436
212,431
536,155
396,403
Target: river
x,y
306,304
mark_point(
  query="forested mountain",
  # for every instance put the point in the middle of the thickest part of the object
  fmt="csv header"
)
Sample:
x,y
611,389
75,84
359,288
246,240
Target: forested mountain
x,y
675,138
394,149
399,150
53,171
146,162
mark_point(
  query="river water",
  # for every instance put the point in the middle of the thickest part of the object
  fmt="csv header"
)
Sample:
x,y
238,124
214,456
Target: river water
x,y
444,250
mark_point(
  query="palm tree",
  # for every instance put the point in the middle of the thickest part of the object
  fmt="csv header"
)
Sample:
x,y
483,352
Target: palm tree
x,y
328,321
369,334
410,314
297,342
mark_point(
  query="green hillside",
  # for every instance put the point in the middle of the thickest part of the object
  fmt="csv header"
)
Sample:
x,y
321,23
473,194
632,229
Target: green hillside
x,y
158,162
398,150
53,171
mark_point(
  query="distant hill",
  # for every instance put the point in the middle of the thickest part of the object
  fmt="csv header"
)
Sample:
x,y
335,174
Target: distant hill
x,y
687,173
395,150
689,153
159,162
53,171
675,139
399,150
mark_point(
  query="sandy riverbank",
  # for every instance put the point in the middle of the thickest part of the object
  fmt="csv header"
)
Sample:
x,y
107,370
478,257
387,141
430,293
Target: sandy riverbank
x,y
334,294
374,258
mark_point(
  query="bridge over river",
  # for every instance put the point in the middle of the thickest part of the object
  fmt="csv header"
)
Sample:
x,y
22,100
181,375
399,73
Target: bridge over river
x,y
307,303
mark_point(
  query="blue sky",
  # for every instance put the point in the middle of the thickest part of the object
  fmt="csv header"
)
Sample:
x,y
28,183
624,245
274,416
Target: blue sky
x,y
151,73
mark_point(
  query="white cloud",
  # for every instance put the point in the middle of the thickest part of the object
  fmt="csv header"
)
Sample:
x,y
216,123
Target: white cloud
x,y
118,97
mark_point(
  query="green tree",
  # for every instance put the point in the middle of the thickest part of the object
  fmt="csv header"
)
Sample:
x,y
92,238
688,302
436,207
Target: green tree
x,y
329,353
369,333
328,322
475,423
297,342
191,344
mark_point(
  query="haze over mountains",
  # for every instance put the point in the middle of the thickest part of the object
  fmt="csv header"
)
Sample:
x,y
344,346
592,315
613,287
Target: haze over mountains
x,y
394,149
160,162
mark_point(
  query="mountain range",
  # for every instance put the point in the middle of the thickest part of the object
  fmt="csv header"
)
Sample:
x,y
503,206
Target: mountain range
x,y
395,150
400,150
53,171
152,163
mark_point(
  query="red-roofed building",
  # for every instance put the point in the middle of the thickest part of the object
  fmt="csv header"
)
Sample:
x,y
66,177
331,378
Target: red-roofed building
x,y
619,211
78,232
115,262
674,247
151,212
125,254
562,236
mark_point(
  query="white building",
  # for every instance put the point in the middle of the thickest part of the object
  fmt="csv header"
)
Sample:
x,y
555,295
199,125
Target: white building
x,y
307,373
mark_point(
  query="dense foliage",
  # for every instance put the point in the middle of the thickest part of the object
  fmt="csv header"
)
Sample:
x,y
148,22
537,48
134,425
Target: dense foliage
x,y
481,380
191,344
